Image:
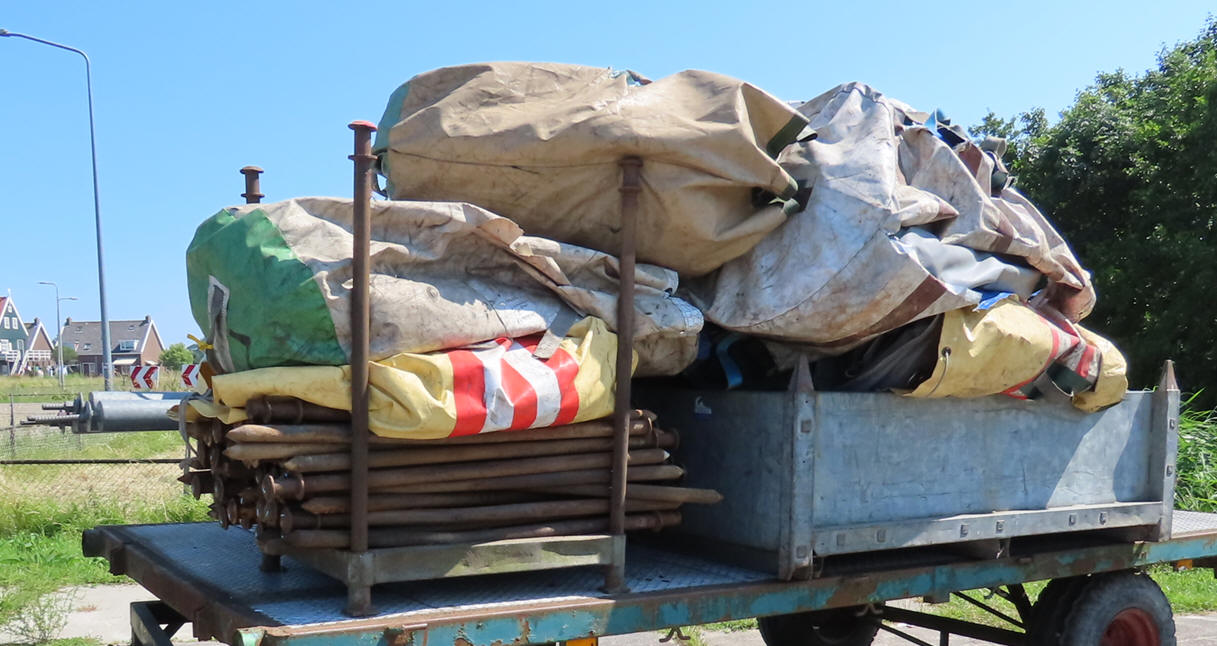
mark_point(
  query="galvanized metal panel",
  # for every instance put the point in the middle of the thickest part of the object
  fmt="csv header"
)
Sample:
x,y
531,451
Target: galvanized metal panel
x,y
1165,448
738,445
885,458
791,464
980,527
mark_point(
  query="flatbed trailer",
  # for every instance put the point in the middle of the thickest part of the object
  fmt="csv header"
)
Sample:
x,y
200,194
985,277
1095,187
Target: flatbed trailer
x,y
211,578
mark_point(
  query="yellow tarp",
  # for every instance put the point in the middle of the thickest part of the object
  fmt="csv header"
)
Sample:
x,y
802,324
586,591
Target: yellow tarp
x,y
1004,347
493,386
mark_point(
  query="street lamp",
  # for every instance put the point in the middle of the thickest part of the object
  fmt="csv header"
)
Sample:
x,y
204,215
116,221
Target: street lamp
x,y
107,368
59,325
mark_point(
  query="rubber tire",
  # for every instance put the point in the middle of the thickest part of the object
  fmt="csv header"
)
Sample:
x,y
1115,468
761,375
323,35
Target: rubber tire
x,y
1051,607
838,627
1105,596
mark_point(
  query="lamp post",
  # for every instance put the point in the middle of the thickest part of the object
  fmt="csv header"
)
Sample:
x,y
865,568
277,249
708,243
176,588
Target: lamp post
x,y
107,368
59,331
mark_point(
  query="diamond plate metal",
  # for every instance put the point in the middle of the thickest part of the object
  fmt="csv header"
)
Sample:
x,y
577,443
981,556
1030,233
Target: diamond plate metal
x,y
1192,522
299,595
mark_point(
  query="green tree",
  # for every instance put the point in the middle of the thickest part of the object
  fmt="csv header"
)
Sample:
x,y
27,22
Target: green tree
x,y
176,356
69,355
1129,175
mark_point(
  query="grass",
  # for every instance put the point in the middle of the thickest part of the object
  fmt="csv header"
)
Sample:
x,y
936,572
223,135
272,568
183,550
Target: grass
x,y
40,543
1197,461
42,389
45,509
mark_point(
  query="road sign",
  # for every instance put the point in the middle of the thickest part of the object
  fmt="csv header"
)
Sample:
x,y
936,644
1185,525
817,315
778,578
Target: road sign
x,y
191,374
145,377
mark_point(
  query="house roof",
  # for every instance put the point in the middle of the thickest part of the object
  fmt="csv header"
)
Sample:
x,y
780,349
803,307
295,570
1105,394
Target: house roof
x,y
35,330
4,301
78,334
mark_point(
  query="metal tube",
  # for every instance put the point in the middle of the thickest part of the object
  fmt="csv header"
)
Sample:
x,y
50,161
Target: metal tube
x,y
340,433
318,483
382,502
631,170
298,487
289,410
306,458
283,451
490,514
253,185
112,416
360,330
636,491
395,537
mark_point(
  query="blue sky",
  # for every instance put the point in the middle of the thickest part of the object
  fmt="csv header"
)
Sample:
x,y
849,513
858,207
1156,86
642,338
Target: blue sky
x,y
187,93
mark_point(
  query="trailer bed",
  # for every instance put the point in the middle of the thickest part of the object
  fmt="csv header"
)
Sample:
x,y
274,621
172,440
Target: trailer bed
x,y
211,577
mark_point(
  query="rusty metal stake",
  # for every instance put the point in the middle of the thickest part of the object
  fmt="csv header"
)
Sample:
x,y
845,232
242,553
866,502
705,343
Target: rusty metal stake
x,y
340,432
359,595
253,185
289,410
631,186
296,487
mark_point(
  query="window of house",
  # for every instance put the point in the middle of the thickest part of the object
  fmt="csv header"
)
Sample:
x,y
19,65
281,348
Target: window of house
x,y
87,346
130,327
80,328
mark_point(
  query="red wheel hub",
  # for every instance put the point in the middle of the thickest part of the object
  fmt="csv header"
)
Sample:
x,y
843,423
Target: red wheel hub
x,y
1131,627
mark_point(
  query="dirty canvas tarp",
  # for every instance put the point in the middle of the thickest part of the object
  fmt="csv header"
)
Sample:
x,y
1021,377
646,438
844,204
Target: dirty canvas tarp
x,y
540,143
906,220
270,285
492,386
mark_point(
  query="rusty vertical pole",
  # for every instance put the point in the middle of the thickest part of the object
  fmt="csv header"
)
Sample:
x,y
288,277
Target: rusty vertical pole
x,y
253,185
631,171
359,593
253,195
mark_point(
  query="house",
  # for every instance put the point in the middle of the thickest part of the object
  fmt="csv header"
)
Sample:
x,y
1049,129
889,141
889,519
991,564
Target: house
x,y
24,347
12,337
39,350
132,344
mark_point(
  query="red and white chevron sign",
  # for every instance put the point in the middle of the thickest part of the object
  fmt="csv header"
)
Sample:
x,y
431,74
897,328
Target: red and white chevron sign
x,y
190,374
145,377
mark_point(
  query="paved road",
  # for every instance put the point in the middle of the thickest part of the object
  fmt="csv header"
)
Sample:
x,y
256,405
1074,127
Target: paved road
x,y
102,612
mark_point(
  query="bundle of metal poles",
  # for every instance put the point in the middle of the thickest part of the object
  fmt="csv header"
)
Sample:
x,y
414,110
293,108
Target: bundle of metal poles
x,y
286,471
313,478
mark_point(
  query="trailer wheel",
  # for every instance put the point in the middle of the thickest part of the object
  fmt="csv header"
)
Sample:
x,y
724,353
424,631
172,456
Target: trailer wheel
x,y
1120,609
1051,607
839,627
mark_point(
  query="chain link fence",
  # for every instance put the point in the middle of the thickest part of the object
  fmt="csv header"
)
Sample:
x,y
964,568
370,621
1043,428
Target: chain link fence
x,y
45,463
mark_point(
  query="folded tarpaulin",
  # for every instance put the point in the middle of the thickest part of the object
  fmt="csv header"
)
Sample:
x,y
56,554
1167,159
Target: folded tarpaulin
x,y
540,143
493,386
1011,348
905,220
270,285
